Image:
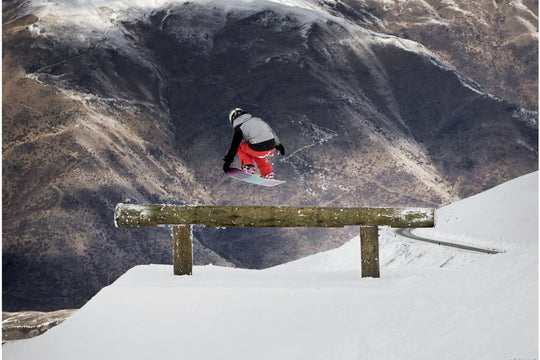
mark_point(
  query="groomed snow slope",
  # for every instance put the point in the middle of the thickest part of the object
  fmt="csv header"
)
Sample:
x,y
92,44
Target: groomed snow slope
x,y
431,302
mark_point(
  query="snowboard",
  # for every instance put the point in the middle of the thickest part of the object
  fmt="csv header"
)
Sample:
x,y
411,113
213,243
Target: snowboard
x,y
252,179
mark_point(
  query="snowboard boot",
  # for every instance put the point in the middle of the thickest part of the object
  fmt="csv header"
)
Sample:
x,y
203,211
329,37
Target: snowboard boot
x,y
250,169
270,175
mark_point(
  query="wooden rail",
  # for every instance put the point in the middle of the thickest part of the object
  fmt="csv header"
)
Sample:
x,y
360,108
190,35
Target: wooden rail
x,y
182,218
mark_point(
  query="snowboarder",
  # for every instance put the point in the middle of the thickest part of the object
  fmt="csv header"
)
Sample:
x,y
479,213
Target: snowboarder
x,y
253,140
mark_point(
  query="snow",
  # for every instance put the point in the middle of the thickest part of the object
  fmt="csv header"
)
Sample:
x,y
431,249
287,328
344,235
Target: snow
x,y
504,205
103,15
431,302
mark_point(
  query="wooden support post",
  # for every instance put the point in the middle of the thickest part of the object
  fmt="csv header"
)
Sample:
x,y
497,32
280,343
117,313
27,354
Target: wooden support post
x,y
369,245
183,250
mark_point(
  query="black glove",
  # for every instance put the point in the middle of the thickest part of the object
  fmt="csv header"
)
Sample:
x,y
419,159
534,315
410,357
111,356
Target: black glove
x,y
227,164
281,149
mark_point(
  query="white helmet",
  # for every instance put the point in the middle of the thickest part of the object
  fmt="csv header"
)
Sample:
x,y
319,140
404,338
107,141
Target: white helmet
x,y
234,113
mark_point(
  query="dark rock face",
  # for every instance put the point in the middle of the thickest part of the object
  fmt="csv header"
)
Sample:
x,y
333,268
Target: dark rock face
x,y
138,113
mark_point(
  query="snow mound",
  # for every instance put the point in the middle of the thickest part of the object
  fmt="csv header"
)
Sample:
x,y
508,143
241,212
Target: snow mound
x,y
505,217
481,307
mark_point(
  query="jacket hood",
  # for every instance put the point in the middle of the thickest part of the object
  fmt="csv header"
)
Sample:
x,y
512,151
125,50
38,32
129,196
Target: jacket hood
x,y
241,119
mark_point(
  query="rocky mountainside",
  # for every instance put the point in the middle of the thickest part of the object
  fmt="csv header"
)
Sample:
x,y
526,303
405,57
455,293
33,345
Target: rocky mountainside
x,y
112,102
28,324
491,41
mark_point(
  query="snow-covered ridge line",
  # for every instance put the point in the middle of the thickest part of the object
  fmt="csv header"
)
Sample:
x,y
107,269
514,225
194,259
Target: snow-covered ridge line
x,y
103,15
110,11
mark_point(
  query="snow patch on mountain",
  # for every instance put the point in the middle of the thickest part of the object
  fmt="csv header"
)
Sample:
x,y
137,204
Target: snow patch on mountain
x,y
103,15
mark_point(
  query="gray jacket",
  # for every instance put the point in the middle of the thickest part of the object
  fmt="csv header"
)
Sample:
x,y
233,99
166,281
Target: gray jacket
x,y
254,129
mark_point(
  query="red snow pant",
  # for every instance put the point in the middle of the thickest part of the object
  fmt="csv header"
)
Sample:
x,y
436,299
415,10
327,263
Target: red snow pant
x,y
248,156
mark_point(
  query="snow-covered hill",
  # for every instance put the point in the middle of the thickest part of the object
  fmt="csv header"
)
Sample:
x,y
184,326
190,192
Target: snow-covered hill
x,y
431,302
